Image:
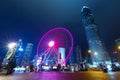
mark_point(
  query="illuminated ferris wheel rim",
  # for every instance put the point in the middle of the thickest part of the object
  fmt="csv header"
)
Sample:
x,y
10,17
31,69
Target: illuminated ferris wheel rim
x,y
52,30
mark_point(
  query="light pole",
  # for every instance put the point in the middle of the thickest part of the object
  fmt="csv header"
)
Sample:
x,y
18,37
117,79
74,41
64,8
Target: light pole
x,y
118,53
89,51
118,47
95,56
89,55
95,53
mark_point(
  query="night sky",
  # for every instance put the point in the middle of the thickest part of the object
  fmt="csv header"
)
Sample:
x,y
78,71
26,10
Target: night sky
x,y
31,19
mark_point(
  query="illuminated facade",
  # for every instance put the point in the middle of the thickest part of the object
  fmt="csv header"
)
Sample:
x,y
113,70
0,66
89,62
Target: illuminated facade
x,y
14,53
19,53
27,55
61,57
98,52
10,55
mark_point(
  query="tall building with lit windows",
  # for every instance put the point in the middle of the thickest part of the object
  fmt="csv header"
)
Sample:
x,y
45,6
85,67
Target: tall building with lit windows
x,y
98,51
14,50
27,55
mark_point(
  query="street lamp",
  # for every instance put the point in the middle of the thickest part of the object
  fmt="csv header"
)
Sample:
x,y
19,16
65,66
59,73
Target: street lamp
x,y
95,57
118,47
89,51
88,55
95,54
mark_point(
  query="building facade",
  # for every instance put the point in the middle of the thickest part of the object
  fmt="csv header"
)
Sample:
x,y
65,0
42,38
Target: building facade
x,y
98,51
27,55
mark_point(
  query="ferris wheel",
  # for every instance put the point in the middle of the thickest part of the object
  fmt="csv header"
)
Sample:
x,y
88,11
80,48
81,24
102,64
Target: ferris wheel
x,y
55,47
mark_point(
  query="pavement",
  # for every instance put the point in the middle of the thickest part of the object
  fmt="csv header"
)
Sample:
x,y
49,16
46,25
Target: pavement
x,y
87,75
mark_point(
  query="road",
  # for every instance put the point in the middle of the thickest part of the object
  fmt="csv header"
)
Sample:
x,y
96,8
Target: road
x,y
89,75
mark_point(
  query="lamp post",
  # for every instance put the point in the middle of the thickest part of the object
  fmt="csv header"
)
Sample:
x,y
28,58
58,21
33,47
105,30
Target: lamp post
x,y
89,51
95,53
95,57
118,47
118,53
89,55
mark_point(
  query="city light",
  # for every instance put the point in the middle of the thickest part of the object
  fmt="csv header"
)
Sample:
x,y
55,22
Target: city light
x,y
20,49
119,47
95,53
12,45
89,51
51,43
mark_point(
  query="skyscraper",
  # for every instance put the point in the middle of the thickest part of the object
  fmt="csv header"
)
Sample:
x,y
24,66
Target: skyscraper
x,y
19,53
98,52
61,52
27,55
10,54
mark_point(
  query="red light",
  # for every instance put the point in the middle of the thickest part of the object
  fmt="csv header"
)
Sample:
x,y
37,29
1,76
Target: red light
x,y
115,52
